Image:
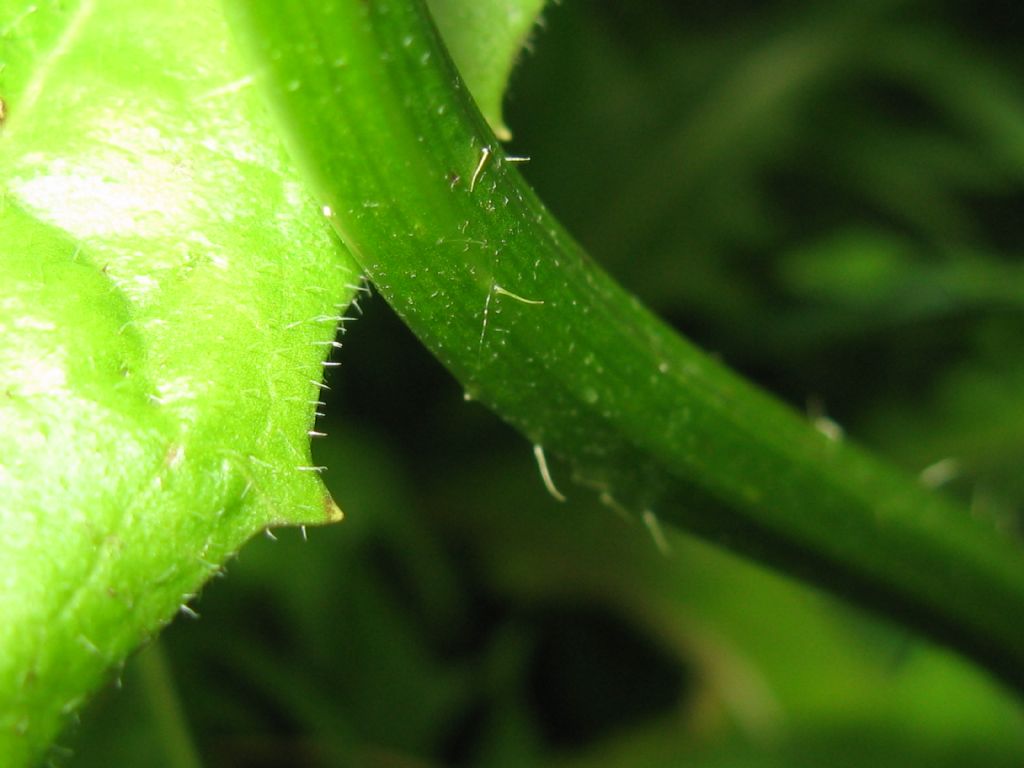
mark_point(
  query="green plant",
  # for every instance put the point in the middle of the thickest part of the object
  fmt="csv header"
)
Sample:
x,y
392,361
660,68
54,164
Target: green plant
x,y
168,210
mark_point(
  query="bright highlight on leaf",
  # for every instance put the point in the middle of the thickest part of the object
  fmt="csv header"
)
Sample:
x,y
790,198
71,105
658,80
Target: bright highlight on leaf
x,y
168,292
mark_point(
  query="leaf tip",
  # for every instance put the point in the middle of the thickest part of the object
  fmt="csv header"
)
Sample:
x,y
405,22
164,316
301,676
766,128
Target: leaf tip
x,y
501,131
332,512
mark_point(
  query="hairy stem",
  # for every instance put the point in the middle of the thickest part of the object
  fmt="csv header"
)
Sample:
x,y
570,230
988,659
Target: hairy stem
x,y
424,196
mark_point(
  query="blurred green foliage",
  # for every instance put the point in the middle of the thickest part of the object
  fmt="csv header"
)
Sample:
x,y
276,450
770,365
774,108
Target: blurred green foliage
x,y
830,195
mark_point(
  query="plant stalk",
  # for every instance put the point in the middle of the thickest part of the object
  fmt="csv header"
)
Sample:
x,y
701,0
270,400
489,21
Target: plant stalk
x,y
435,211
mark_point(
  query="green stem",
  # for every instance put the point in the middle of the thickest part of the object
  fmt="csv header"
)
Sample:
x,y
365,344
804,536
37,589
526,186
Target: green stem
x,y
428,202
165,707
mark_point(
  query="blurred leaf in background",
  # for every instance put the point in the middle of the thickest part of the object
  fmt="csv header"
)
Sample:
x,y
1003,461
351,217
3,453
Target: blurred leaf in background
x,y
827,194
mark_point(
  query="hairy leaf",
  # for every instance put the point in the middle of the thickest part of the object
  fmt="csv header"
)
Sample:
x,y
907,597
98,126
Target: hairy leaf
x,y
167,295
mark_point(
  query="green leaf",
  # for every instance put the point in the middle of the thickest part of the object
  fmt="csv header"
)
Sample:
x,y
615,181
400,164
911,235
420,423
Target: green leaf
x,y
168,293
441,221
485,38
